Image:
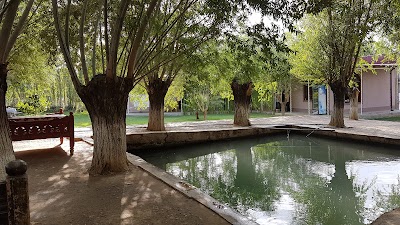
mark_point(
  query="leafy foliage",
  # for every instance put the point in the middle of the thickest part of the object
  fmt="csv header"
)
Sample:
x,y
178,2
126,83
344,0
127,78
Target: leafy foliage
x,y
33,105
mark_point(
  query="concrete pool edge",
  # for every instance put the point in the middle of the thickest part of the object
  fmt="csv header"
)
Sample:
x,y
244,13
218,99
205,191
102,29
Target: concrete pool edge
x,y
151,140
155,140
191,192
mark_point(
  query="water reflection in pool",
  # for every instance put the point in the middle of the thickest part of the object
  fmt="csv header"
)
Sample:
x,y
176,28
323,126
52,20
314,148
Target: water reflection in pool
x,y
299,180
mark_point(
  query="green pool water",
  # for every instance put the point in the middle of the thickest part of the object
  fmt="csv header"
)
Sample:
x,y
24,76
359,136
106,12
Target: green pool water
x,y
291,179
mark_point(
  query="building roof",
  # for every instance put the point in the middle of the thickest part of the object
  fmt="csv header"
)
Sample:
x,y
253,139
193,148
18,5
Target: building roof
x,y
380,61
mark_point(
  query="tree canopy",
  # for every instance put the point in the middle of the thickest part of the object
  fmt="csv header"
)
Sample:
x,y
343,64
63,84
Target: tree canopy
x,y
331,43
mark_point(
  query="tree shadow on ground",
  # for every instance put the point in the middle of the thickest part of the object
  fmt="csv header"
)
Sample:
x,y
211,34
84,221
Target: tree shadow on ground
x,y
62,192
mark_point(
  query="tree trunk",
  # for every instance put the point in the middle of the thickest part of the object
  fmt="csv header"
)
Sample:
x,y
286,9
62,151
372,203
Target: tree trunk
x,y
156,89
354,104
283,107
242,98
6,148
342,194
245,171
205,114
337,118
156,112
106,101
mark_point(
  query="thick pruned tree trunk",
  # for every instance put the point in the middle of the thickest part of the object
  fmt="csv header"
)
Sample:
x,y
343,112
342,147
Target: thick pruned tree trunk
x,y
283,101
6,148
242,99
106,101
354,104
337,117
156,89
283,107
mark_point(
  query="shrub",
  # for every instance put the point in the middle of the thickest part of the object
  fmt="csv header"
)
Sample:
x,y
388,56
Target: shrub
x,y
33,105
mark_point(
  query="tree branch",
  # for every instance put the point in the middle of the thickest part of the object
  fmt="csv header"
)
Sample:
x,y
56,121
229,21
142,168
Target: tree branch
x,y
106,38
7,27
67,25
64,49
138,40
18,28
94,44
158,39
146,57
3,8
102,51
116,36
82,42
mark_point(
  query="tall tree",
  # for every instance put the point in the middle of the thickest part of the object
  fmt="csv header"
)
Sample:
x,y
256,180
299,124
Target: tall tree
x,y
245,68
204,84
329,47
185,37
133,37
346,25
12,20
279,72
242,62
266,40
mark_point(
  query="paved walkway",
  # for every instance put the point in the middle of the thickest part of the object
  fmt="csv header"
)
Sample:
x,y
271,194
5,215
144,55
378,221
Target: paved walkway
x,y
61,191
362,126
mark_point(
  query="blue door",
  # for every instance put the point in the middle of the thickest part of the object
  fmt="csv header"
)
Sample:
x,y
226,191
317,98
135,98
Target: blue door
x,y
322,100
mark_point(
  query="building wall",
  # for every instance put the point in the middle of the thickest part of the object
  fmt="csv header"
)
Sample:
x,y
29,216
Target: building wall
x,y
375,93
376,96
297,99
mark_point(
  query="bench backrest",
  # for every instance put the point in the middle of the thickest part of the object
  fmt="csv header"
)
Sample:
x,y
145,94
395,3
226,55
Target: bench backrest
x,y
30,128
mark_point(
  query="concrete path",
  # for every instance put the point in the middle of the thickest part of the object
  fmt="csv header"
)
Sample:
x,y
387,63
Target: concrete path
x,y
61,191
362,126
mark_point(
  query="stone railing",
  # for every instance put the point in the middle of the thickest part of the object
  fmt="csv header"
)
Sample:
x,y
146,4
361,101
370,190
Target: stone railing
x,y
14,195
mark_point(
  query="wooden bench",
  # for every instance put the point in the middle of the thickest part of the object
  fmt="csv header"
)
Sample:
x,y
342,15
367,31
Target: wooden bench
x,y
40,127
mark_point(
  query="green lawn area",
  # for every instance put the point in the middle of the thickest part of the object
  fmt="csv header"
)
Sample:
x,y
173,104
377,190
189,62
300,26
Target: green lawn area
x,y
83,120
392,118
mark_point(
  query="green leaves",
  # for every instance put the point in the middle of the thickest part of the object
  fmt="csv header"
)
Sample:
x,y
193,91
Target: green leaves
x,y
308,58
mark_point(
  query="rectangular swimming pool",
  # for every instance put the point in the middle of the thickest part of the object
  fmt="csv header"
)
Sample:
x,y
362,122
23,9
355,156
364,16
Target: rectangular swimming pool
x,y
291,179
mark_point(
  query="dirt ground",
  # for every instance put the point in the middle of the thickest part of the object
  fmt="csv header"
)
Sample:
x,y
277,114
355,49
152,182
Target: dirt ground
x,y
62,192
389,218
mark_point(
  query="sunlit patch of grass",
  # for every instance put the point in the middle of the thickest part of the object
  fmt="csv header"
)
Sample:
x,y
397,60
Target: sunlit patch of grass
x,y
392,118
83,120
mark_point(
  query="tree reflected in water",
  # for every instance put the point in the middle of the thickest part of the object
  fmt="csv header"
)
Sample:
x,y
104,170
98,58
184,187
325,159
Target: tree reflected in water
x,y
255,174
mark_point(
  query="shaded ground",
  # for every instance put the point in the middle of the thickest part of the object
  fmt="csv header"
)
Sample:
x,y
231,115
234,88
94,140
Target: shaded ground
x,y
389,218
61,192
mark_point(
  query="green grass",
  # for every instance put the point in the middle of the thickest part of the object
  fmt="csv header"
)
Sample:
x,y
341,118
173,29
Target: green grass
x,y
83,120
393,118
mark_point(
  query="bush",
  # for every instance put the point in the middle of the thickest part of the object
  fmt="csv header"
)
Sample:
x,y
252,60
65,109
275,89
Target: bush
x,y
33,105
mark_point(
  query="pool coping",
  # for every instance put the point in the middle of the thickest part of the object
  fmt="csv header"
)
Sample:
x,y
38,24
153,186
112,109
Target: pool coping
x,y
191,192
